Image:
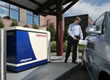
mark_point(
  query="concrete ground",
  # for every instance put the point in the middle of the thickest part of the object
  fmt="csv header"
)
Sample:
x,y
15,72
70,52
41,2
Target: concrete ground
x,y
79,75
55,58
56,70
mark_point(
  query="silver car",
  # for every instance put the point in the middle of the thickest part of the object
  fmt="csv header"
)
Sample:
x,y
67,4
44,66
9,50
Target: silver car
x,y
96,55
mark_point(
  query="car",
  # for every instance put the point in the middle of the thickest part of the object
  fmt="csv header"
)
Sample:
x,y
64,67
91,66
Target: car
x,y
96,55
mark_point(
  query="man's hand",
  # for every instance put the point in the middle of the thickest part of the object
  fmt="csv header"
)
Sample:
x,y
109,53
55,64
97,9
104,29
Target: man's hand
x,y
74,38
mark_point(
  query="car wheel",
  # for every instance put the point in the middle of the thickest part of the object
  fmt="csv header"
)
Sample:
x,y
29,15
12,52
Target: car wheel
x,y
83,62
83,65
104,76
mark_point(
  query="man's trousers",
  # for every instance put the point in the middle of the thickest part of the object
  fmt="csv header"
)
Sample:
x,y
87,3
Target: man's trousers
x,y
72,43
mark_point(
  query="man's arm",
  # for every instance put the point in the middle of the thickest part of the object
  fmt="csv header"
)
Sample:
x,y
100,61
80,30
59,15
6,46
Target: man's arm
x,y
70,32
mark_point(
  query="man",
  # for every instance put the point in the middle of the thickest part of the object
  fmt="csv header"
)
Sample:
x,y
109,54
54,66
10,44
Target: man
x,y
75,33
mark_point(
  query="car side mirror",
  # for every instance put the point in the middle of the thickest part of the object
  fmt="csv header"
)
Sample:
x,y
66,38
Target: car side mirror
x,y
91,30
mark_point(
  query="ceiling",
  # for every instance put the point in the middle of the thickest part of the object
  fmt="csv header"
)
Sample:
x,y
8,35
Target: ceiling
x,y
43,7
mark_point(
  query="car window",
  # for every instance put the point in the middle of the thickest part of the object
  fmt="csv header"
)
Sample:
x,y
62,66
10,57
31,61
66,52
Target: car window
x,y
103,27
109,15
99,22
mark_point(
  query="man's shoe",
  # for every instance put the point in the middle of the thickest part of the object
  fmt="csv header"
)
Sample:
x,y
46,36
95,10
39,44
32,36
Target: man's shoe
x,y
75,62
65,61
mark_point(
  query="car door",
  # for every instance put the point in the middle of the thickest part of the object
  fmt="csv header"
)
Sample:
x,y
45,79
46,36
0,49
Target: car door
x,y
102,59
99,47
94,45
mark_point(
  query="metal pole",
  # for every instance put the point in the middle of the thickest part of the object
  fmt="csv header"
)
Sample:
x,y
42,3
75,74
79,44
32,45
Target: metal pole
x,y
2,54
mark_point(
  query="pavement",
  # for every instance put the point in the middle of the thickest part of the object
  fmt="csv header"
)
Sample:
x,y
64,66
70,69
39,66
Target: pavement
x,y
52,71
79,74
55,70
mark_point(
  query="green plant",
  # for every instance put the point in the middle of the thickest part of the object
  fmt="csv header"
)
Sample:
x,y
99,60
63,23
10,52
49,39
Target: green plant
x,y
81,48
65,33
14,23
25,25
65,46
51,28
35,26
53,46
1,24
6,17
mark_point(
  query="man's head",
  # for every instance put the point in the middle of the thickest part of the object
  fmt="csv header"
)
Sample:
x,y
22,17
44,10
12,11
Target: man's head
x,y
77,20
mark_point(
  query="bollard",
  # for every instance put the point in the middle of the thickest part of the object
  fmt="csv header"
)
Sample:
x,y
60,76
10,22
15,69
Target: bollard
x,y
2,54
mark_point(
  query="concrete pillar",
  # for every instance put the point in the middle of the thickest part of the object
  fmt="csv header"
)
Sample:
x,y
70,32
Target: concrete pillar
x,y
23,17
59,29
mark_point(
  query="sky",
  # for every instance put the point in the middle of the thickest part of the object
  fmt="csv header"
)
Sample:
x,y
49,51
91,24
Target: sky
x,y
92,7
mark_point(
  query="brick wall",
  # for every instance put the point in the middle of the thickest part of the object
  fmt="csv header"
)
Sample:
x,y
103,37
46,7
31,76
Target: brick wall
x,y
47,19
44,21
51,19
6,22
90,21
23,17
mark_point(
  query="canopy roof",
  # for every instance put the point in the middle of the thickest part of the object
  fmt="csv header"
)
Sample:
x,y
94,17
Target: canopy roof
x,y
44,7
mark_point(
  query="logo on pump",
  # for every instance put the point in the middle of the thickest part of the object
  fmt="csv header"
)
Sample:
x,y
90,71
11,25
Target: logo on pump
x,y
41,35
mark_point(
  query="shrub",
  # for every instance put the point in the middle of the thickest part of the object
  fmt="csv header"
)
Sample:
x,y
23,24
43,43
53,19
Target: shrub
x,y
1,24
6,17
81,47
35,26
26,25
14,23
65,33
65,46
53,46
51,29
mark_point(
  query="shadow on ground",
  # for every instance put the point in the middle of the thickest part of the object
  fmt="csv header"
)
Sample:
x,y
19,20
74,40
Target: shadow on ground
x,y
79,74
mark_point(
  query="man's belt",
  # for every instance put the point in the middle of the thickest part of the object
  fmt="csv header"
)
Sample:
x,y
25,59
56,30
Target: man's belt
x,y
78,37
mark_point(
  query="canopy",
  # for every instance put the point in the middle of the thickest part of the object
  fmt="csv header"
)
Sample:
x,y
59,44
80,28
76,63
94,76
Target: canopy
x,y
46,7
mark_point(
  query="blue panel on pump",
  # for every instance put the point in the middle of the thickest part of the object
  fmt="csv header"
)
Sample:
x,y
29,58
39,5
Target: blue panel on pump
x,y
24,49
11,46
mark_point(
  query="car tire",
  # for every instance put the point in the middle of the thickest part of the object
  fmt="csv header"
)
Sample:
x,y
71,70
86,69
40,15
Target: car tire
x,y
104,76
83,62
83,65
